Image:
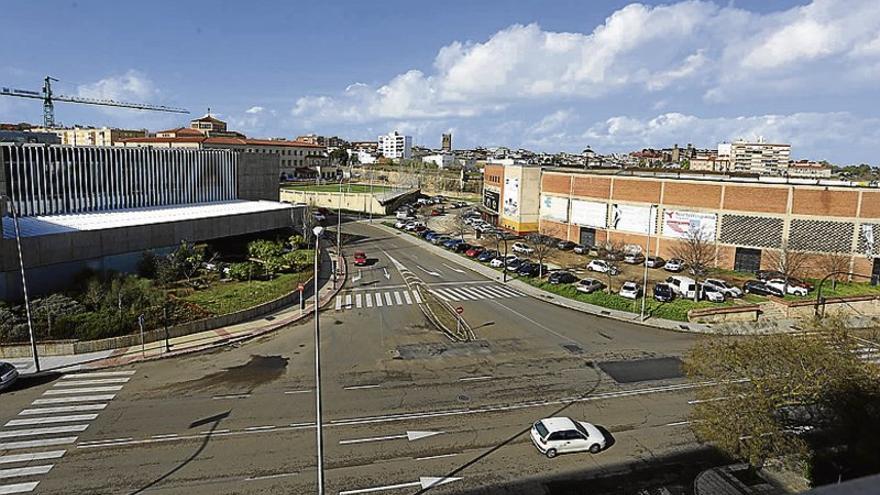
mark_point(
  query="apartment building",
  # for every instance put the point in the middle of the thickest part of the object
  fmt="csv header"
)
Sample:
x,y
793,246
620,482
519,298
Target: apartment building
x,y
756,157
395,146
92,136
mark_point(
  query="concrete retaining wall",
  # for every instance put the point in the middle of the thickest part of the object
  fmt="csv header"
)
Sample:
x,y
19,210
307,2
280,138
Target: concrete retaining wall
x,y
848,306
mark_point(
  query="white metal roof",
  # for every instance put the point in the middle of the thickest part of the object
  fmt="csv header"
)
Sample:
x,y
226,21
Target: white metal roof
x,y
56,224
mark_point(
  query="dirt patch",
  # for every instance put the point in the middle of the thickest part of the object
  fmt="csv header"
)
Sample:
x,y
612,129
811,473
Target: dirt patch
x,y
435,350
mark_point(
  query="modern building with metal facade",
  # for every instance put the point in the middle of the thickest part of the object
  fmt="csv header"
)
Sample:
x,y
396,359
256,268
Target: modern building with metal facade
x,y
101,207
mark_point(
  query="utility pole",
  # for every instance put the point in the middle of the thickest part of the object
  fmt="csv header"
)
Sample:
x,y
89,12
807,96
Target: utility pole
x,y
651,216
318,424
27,304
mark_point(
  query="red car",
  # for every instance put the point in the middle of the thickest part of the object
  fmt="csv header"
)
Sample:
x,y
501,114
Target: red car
x,y
360,259
474,251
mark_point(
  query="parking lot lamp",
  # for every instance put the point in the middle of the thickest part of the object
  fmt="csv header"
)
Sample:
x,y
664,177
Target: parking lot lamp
x,y
318,230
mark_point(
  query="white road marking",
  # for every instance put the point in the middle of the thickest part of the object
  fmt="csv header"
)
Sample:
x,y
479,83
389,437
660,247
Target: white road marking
x,y
507,292
25,471
397,298
45,420
359,276
30,444
471,291
338,303
385,272
257,428
348,301
388,299
441,456
18,488
291,392
453,268
358,301
482,292
429,272
67,400
231,396
476,378
409,435
461,294
65,391
168,435
36,456
698,401
416,296
443,295
97,381
271,476
678,423
378,299
49,430
424,482
406,297
62,409
99,374
494,291
369,300
362,387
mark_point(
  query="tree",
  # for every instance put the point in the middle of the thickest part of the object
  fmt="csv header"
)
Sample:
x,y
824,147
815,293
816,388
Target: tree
x,y
787,261
339,156
699,251
768,391
459,227
308,222
835,262
541,245
611,251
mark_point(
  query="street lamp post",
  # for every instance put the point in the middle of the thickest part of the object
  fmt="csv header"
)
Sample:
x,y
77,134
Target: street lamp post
x,y
27,304
504,265
318,424
651,212
820,299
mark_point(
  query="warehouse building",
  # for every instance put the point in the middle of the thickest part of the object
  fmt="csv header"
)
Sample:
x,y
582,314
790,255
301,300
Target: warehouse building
x,y
746,217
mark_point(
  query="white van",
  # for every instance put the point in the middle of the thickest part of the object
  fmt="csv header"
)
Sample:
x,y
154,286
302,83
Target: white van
x,y
684,287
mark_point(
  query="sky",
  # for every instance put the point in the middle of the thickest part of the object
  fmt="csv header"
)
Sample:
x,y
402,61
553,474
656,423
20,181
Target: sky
x,y
543,75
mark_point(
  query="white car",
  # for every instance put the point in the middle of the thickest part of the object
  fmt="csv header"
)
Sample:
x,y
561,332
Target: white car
x,y
552,436
401,223
779,284
519,247
711,293
630,290
501,261
601,266
674,265
728,290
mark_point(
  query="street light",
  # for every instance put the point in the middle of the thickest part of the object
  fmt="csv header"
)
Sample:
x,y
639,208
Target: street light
x,y
318,230
27,305
821,300
651,216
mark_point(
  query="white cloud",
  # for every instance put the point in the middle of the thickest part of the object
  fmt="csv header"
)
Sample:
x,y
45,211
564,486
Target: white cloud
x,y
552,122
254,110
133,86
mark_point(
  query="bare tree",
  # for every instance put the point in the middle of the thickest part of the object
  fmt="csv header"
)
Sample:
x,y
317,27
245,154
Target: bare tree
x,y
832,263
787,261
612,252
541,245
698,250
459,227
308,222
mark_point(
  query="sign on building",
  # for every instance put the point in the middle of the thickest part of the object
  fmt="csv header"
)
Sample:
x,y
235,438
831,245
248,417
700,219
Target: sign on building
x,y
511,196
677,223
554,208
589,213
491,200
638,219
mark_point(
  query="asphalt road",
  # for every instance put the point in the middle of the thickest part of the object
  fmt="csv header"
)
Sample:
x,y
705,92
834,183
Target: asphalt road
x,y
402,404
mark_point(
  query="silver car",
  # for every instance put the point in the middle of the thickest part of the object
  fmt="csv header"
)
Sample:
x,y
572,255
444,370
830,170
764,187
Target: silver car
x,y
8,375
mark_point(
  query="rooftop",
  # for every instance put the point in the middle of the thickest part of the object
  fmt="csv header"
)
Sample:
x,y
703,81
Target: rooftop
x,y
222,140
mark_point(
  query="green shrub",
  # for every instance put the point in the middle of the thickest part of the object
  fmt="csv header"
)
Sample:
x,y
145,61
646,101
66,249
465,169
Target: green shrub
x,y
94,325
247,270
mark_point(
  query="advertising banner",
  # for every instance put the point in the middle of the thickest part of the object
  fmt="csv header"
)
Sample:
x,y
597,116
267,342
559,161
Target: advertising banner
x,y
511,196
554,208
677,223
630,218
589,213
491,199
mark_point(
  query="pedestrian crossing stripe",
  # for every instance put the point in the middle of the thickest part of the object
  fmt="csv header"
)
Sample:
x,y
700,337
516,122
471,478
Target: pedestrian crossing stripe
x,y
378,299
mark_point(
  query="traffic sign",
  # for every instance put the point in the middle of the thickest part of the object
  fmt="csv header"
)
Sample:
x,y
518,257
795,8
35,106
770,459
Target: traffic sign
x,y
300,287
459,310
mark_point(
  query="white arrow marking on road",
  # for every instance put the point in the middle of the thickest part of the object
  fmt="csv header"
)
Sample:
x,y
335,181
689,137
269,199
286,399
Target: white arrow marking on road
x,y
453,269
424,482
387,275
359,276
429,272
410,435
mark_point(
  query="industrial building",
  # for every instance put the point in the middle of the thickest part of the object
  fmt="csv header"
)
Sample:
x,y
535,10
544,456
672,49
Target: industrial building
x,y
102,207
653,211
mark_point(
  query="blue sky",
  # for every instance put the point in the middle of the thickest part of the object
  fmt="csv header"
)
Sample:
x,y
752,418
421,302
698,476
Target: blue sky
x,y
546,75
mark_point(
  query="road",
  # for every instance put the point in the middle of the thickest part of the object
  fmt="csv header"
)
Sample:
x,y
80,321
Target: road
x,y
403,406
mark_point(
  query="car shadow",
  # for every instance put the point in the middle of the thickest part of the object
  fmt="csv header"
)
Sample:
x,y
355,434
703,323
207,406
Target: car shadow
x,y
25,382
609,438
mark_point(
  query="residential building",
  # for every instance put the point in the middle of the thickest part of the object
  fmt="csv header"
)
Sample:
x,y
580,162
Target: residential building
x,y
446,141
808,169
328,142
395,146
92,136
510,196
440,160
756,157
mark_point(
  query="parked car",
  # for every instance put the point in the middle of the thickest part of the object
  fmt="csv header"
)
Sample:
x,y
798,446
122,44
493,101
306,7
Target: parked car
x,y
565,245
562,277
401,223
633,258
430,235
451,243
8,375
655,262
487,255
602,266
529,269
630,290
425,234
789,288
674,265
501,261
319,217
663,292
711,293
589,285
436,213
513,265
522,248
761,288
439,239
729,290
474,251
404,214
552,436
582,249
685,287
768,274
360,259
461,247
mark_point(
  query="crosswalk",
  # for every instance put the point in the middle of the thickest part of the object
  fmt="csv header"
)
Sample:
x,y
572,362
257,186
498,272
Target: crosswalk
x,y
52,422
378,298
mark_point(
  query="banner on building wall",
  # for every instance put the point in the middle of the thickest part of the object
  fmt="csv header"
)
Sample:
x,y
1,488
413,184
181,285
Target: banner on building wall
x,y
554,208
868,235
678,224
491,199
639,219
589,213
511,196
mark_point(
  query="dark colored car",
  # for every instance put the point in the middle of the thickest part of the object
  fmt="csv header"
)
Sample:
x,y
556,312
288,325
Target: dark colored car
x,y
474,251
663,293
360,259
565,245
514,265
425,234
768,274
451,243
487,255
529,269
8,375
562,278
760,288
461,247
655,262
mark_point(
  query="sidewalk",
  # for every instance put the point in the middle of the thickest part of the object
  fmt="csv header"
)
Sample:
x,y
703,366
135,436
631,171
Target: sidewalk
x,y
677,326
195,342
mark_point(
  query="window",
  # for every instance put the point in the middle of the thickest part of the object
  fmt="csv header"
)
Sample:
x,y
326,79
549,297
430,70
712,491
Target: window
x,y
558,435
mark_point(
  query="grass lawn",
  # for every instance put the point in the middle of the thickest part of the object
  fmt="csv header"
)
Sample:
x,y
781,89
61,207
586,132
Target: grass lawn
x,y
229,297
848,289
334,188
